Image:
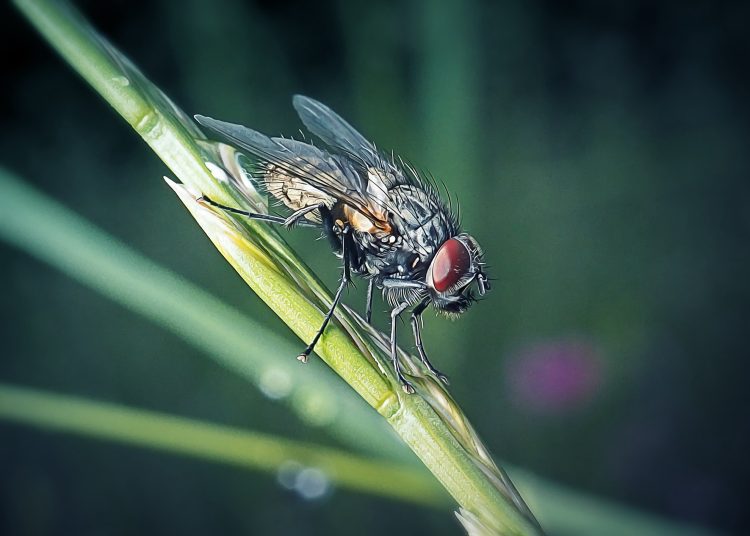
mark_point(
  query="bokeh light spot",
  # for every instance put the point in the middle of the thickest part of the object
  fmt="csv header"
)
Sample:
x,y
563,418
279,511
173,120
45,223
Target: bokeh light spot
x,y
554,376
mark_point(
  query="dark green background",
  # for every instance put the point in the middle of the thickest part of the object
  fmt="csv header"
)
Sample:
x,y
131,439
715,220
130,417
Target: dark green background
x,y
600,152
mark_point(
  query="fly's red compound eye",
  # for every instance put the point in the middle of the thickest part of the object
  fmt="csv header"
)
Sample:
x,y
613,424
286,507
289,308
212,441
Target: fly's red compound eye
x,y
451,263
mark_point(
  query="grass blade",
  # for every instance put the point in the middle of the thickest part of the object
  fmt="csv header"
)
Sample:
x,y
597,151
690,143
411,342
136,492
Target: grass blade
x,y
224,444
454,456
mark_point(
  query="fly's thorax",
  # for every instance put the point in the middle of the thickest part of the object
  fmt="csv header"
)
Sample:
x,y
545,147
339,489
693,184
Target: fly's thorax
x,y
422,220
417,224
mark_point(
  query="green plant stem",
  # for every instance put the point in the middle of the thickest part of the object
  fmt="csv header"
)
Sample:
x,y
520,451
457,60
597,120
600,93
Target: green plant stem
x,y
71,36
257,260
213,442
412,417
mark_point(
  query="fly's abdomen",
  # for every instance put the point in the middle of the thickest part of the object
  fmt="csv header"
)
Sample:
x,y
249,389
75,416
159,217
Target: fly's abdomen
x,y
294,192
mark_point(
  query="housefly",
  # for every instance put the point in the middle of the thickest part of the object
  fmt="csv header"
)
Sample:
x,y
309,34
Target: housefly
x,y
385,221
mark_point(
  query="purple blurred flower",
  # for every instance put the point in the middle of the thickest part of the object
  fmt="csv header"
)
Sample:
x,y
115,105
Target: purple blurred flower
x,y
554,376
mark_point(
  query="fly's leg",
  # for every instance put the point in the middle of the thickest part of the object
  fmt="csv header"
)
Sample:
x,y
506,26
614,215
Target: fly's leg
x,y
405,385
252,215
295,218
345,279
416,325
329,229
368,305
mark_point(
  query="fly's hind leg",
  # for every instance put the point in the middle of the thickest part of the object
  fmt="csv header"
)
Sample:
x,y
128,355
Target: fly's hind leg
x,y
368,305
416,325
297,218
345,280
405,385
252,215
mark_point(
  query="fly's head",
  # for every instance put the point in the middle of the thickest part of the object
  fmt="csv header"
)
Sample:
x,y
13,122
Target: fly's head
x,y
454,270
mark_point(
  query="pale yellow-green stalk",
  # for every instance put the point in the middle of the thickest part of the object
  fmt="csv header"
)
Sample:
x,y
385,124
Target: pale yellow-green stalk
x,y
429,423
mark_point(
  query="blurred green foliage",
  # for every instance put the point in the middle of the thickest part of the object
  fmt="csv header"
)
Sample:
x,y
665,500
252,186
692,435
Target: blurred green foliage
x,y
599,151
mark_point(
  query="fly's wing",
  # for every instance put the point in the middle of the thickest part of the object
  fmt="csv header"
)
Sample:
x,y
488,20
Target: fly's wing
x,y
379,174
334,131
389,187
230,166
300,162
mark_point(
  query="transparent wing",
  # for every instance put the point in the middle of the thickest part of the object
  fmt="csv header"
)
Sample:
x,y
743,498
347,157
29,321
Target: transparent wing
x,y
331,175
334,131
383,174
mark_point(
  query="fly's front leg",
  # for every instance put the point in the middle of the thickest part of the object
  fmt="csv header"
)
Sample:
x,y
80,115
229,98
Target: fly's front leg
x,y
405,385
416,325
344,281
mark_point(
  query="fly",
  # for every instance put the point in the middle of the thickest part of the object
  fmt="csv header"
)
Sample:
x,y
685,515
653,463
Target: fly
x,y
386,222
